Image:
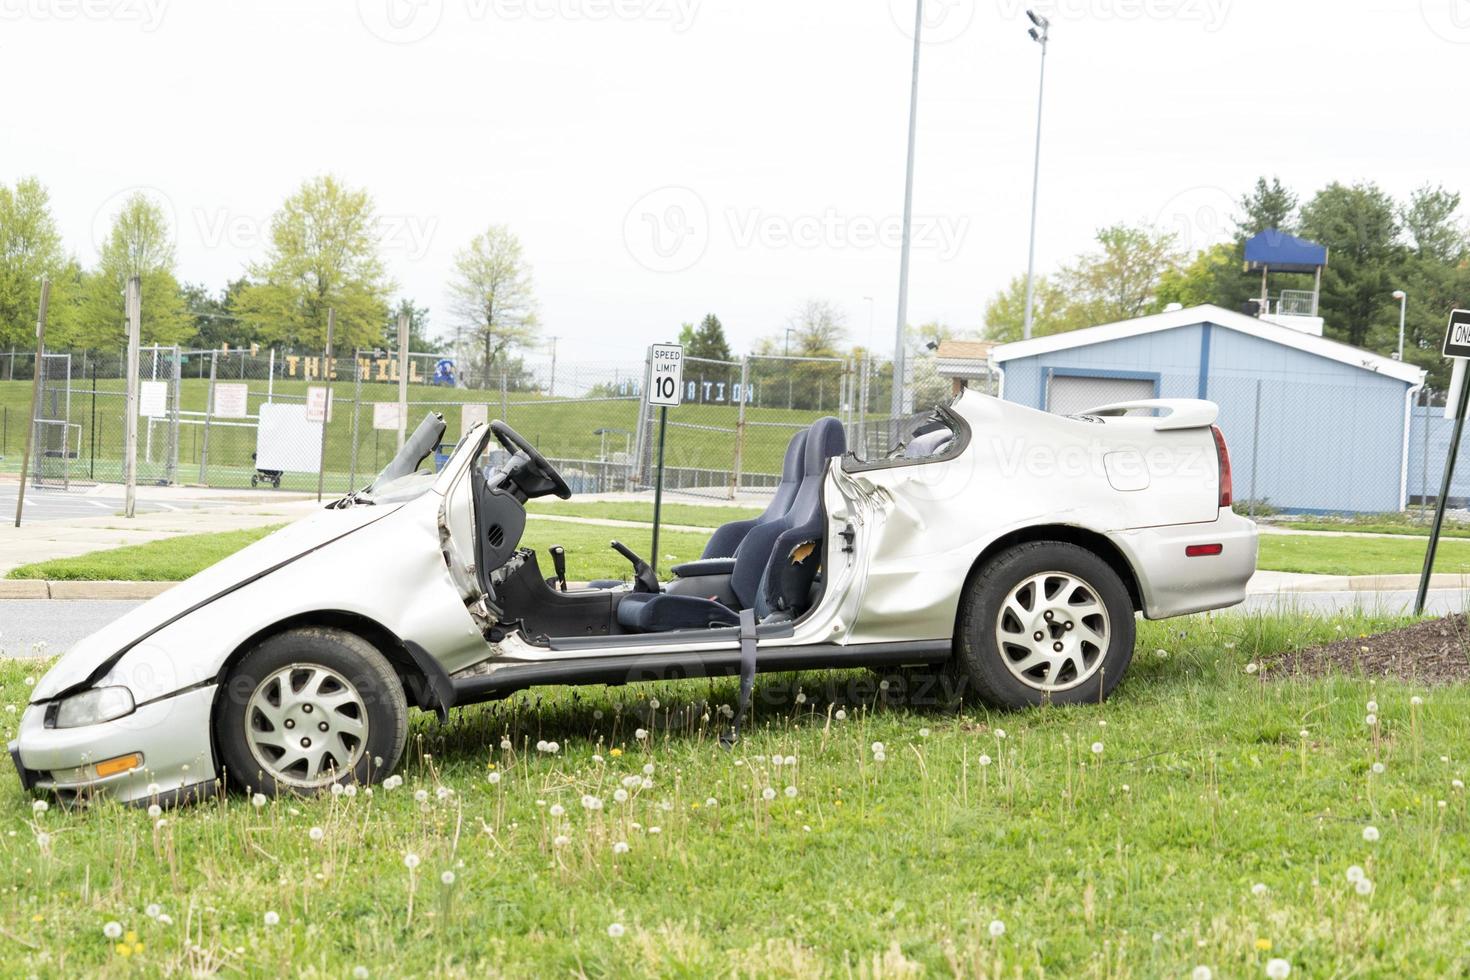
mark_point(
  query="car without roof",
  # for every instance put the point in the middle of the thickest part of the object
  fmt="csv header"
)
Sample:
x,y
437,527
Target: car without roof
x,y
1007,547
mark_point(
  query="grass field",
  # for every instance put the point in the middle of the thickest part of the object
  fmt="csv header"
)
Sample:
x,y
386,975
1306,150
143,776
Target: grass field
x,y
175,559
1203,816
564,429
1332,555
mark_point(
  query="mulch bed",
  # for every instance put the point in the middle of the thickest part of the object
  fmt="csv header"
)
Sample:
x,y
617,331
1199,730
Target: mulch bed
x,y
1435,651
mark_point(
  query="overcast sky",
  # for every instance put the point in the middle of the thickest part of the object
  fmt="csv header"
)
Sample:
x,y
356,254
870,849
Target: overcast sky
x,y
664,158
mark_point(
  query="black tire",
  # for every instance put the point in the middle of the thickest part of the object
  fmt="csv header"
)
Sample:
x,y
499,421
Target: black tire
x,y
982,660
372,693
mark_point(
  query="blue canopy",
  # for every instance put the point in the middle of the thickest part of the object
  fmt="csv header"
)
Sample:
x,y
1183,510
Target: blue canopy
x,y
1284,253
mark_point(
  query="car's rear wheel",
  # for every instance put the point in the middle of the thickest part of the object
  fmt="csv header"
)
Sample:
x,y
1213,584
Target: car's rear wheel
x,y
308,708
1044,622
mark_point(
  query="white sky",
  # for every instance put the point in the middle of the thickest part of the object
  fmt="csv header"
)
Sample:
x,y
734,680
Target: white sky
x,y
771,132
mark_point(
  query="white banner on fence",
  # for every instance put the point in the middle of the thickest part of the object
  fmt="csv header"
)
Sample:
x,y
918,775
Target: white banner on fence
x,y
153,399
385,416
318,403
471,415
286,440
231,401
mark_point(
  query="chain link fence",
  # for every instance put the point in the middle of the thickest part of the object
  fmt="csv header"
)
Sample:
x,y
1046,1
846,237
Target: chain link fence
x,y
236,419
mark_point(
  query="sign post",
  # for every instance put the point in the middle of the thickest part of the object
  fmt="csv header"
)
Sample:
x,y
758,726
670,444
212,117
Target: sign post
x,y
666,385
1457,345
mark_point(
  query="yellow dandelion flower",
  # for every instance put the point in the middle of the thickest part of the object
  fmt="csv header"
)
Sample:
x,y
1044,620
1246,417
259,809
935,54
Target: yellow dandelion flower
x,y
1263,945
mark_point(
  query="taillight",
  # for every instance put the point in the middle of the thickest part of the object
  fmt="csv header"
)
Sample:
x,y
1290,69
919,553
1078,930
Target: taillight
x,y
1226,495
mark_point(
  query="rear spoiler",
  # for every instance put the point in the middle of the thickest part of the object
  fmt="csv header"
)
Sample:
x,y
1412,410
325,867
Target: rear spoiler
x,y
1178,413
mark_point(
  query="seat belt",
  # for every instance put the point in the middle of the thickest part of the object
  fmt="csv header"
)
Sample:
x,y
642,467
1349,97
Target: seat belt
x,y
747,675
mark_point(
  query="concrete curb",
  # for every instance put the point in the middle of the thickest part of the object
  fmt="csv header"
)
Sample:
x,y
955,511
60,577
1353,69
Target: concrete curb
x,y
38,589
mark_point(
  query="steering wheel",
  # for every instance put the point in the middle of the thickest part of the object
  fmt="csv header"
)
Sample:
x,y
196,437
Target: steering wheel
x,y
550,481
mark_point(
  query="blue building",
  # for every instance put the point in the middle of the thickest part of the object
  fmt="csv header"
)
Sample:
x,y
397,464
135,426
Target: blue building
x,y
1313,425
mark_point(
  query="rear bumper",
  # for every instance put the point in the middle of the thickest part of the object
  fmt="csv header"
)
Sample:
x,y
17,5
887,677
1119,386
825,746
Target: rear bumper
x,y
1174,584
172,733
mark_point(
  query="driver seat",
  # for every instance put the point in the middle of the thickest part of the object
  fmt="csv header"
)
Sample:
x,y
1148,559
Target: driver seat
x,y
774,568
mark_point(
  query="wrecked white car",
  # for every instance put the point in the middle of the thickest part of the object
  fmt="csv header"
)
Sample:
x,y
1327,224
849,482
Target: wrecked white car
x,y
1009,546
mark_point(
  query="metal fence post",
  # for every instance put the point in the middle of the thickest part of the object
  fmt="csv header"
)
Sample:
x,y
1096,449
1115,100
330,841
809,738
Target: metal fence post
x,y
356,415
208,417
1255,449
740,426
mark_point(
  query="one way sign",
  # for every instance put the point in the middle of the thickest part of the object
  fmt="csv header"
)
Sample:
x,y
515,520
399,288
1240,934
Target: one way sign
x,y
1457,337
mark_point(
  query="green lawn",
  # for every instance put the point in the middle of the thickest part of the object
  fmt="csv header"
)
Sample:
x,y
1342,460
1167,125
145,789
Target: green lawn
x,y
175,559
1332,555
693,515
1203,816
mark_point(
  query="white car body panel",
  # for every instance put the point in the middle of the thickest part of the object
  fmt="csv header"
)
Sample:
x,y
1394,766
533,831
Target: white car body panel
x,y
902,538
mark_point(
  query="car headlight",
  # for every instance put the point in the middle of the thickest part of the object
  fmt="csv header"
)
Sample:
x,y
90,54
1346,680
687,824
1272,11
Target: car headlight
x,y
91,707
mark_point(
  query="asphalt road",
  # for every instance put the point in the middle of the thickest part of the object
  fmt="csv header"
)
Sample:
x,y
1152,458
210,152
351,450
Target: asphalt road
x,y
45,504
58,623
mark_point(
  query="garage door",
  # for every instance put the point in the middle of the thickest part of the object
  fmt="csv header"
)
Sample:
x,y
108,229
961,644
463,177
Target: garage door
x,y
1068,395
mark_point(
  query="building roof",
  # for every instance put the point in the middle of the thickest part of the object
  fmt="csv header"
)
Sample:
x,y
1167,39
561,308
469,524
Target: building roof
x,y
963,358
1220,317
1277,250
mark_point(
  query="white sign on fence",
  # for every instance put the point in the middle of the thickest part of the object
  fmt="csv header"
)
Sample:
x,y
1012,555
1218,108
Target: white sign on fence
x,y
385,416
667,384
318,403
153,399
471,415
286,441
231,401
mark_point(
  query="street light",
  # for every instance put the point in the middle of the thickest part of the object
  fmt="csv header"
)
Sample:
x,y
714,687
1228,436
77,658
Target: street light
x,y
1039,34
1403,299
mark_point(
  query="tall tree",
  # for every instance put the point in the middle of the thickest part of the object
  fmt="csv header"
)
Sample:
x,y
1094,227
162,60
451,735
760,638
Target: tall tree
x,y
140,243
30,247
1269,204
1359,225
708,341
323,254
492,298
1121,280
421,338
1005,314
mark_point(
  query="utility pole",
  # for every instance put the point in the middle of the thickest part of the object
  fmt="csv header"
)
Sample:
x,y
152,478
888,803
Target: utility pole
x,y
25,459
321,468
1040,35
130,410
402,378
908,215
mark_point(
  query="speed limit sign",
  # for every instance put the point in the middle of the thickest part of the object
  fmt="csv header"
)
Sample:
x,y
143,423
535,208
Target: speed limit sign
x,y
667,382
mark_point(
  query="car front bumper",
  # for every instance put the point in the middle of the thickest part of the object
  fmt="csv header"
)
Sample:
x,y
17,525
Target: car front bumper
x,y
172,734
1173,583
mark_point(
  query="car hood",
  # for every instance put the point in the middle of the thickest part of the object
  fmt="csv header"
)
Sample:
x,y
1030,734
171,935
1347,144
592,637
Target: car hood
x,y
244,566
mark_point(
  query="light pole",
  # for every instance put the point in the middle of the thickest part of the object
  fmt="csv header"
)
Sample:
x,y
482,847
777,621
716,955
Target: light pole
x,y
1403,299
908,214
1039,34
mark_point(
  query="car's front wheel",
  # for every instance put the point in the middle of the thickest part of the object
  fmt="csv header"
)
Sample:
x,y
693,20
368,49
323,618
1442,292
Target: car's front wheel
x,y
308,708
1044,622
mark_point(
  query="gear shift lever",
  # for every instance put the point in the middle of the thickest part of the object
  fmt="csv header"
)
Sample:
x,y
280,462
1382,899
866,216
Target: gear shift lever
x,y
559,562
